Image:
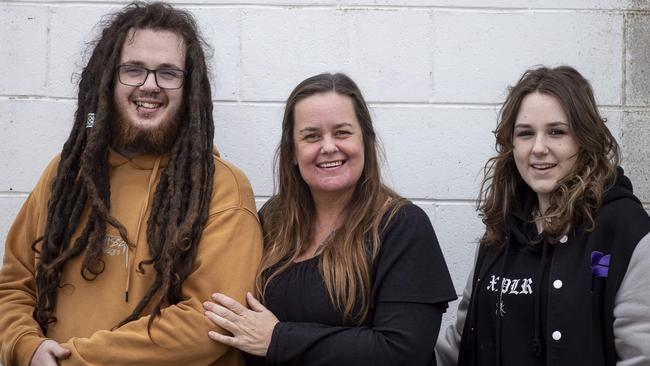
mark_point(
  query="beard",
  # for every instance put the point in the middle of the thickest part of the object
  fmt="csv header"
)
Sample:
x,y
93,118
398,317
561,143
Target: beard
x,y
128,137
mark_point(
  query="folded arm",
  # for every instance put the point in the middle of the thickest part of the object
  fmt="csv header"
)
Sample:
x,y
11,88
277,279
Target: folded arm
x,y
227,260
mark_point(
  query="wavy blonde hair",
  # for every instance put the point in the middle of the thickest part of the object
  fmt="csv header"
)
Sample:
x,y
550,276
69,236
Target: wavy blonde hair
x,y
579,194
345,263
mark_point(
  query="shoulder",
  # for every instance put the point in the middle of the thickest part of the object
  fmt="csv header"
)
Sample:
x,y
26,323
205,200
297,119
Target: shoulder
x,y
622,208
43,187
410,210
231,188
408,216
406,229
623,215
410,266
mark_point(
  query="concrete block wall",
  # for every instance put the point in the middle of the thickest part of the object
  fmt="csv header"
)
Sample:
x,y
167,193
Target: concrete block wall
x,y
433,71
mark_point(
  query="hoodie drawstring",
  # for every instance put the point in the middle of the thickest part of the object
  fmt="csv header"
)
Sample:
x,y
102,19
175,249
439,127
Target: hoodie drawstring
x,y
536,345
143,211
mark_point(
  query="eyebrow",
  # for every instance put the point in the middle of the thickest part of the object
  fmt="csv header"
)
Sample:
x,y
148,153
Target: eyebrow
x,y
552,124
312,129
164,65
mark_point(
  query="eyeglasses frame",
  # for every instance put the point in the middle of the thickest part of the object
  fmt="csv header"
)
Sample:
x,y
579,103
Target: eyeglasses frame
x,y
155,76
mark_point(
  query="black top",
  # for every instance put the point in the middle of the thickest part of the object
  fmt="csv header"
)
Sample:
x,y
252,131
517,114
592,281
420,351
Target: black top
x,y
411,288
508,296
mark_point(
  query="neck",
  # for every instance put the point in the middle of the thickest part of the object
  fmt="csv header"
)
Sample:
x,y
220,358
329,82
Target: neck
x,y
125,152
329,214
542,206
542,203
331,207
131,154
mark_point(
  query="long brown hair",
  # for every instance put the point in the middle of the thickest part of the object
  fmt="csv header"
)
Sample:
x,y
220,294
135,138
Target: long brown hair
x,y
580,193
288,216
180,203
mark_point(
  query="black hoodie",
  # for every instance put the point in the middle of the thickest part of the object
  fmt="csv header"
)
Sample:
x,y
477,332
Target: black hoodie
x,y
540,303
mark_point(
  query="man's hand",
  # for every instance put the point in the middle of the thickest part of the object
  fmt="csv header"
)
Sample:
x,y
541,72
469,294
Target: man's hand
x,y
49,353
251,329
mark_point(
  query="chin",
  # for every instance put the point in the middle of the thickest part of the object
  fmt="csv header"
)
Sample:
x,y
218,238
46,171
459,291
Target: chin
x,y
146,125
543,189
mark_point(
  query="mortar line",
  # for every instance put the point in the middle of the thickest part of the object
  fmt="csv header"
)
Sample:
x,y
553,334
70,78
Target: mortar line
x,y
389,104
339,5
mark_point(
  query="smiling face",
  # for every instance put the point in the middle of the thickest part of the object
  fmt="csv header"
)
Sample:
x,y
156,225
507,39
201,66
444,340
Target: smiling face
x,y
545,150
147,117
328,143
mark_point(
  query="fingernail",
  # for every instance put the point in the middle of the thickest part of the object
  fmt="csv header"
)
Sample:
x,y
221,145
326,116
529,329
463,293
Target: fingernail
x,y
206,304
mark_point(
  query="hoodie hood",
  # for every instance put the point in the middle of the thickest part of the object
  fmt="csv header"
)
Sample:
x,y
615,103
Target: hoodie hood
x,y
520,225
622,188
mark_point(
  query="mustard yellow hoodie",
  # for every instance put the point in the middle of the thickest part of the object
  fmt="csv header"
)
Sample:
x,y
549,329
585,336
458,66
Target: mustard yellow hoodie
x,y
88,311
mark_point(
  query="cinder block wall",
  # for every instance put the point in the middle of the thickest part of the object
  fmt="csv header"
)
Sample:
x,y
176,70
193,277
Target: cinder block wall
x,y
434,72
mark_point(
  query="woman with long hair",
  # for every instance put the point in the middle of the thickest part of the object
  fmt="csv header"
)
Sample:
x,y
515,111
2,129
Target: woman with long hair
x,y
561,272
351,273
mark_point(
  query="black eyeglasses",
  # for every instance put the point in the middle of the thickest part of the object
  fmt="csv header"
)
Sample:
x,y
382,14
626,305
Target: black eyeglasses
x,y
134,75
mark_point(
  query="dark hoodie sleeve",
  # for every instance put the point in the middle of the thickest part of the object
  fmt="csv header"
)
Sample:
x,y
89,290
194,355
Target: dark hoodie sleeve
x,y
410,292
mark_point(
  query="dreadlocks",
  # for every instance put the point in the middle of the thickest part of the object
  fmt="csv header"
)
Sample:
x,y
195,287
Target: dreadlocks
x,y
179,207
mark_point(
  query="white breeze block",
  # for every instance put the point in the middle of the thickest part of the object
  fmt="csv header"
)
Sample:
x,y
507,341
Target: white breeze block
x,y
436,152
281,47
458,228
33,131
247,135
388,52
221,28
478,54
73,29
391,53
9,207
23,59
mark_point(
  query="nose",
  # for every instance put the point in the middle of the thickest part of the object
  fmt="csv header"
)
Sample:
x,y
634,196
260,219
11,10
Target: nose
x,y
540,146
328,145
150,82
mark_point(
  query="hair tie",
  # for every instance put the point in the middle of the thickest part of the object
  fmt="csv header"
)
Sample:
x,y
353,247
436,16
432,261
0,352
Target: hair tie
x,y
90,120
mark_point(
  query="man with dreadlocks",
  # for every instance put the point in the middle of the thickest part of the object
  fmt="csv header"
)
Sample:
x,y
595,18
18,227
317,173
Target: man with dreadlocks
x,y
138,220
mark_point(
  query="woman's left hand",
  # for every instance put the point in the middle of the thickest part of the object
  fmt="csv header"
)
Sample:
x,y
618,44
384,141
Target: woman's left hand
x,y
251,329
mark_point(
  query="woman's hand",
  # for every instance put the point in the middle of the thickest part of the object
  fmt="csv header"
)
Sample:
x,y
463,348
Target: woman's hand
x,y
251,329
48,353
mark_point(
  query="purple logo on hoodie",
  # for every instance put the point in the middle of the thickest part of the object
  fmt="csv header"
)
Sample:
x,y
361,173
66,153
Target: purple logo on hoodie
x,y
600,263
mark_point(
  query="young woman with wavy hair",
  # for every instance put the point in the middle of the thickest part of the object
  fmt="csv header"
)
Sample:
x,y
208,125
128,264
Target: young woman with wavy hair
x,y
560,272
351,272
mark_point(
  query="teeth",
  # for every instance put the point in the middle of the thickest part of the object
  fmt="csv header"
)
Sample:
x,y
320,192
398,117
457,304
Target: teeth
x,y
147,104
330,164
543,166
